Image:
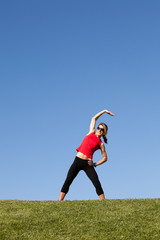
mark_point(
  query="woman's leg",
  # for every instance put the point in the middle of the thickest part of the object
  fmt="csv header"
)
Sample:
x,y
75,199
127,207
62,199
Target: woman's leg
x,y
62,195
102,196
72,173
91,173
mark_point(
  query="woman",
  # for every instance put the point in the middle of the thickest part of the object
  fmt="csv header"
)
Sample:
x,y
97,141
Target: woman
x,y
85,151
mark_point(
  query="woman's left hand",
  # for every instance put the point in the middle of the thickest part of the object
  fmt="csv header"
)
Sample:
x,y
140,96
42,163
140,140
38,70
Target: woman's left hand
x,y
90,163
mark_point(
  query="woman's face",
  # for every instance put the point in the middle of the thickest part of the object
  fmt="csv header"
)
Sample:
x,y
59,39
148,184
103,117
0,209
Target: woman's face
x,y
100,131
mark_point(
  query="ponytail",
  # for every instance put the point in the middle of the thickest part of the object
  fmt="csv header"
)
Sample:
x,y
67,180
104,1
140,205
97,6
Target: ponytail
x,y
105,139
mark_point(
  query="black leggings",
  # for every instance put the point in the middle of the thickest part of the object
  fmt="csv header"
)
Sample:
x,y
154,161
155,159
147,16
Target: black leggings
x,y
80,164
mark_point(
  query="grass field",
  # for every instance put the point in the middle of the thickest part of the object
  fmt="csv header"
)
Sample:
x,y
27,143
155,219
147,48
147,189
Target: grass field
x,y
75,220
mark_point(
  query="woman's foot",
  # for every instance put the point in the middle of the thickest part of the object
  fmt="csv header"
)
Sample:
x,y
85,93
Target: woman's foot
x,y
102,196
61,197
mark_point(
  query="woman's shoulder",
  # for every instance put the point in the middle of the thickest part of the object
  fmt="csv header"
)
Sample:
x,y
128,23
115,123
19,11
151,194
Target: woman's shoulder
x,y
91,132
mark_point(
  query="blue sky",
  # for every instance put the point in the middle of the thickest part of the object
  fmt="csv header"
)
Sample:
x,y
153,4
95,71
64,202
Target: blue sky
x,y
61,63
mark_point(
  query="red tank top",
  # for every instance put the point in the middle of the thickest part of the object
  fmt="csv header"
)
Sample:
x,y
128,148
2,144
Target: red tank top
x,y
89,145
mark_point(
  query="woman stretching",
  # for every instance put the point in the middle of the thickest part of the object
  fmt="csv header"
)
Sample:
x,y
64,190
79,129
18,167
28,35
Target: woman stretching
x,y
85,151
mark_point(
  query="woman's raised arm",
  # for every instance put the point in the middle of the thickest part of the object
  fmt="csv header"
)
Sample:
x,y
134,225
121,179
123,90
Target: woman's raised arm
x,y
94,119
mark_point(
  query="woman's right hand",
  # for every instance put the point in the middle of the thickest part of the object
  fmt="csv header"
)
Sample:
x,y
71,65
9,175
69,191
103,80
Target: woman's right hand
x,y
90,163
112,114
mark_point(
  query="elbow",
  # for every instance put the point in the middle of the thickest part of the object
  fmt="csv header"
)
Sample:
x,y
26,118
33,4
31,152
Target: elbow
x,y
94,118
105,159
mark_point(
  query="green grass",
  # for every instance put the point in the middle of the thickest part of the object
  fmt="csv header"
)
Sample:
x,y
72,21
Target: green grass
x,y
76,220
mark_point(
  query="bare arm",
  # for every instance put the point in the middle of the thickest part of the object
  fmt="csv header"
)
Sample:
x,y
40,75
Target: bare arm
x,y
94,119
104,155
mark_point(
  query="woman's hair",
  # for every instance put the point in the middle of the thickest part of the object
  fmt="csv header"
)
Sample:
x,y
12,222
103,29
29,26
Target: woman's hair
x,y
105,131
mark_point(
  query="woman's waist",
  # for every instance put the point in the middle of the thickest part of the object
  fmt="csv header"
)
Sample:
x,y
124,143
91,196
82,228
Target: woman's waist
x,y
83,156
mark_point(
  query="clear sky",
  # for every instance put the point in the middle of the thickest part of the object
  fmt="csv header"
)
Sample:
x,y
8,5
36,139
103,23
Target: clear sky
x,y
61,62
